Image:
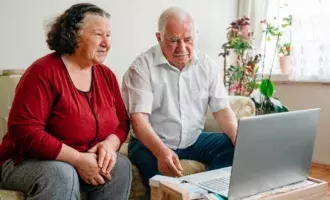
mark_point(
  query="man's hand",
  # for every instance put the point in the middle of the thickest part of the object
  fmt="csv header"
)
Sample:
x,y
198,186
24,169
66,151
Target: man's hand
x,y
106,156
88,169
168,161
169,164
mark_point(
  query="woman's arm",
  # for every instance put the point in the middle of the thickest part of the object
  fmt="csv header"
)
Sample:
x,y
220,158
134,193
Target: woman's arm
x,y
69,155
29,114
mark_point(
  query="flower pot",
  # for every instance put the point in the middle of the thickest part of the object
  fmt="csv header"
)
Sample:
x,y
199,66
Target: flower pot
x,y
285,63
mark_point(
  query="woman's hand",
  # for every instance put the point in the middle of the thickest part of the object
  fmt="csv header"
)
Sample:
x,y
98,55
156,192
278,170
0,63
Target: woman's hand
x,y
88,169
106,156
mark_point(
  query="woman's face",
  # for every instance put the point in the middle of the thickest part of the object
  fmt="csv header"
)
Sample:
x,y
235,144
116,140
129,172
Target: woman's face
x,y
93,39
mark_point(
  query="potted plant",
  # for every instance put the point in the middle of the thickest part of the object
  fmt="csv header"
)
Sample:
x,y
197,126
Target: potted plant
x,y
285,46
284,57
264,100
244,77
240,76
263,97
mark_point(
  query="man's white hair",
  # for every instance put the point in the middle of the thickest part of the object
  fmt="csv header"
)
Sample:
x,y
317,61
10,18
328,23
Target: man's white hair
x,y
173,12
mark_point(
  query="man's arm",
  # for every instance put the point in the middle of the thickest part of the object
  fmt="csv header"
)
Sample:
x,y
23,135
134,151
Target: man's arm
x,y
138,97
219,103
227,121
168,162
145,133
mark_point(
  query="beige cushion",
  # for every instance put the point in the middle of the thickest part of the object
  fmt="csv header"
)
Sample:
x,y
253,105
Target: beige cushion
x,y
9,72
241,106
12,195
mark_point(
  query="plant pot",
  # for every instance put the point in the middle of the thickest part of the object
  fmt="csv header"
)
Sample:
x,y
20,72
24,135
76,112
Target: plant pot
x,y
285,63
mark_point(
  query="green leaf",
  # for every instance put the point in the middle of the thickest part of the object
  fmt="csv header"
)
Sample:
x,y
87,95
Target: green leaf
x,y
267,88
256,86
285,109
252,85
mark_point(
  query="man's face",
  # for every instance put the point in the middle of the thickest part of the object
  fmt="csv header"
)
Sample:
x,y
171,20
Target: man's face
x,y
177,44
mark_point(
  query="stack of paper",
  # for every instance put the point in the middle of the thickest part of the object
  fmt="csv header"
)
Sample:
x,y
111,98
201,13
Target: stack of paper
x,y
195,192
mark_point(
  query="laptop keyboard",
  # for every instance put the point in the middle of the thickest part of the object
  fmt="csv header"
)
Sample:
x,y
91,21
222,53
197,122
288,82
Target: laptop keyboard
x,y
218,184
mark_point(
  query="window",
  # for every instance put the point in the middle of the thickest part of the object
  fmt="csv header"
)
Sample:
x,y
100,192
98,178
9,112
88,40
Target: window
x,y
277,10
309,37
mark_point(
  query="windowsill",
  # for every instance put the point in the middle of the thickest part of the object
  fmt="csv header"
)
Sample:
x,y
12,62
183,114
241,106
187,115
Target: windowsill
x,y
284,79
280,77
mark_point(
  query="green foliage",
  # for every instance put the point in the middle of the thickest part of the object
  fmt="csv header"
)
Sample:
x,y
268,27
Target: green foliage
x,y
252,85
269,105
239,45
287,21
264,101
263,98
271,30
241,77
267,88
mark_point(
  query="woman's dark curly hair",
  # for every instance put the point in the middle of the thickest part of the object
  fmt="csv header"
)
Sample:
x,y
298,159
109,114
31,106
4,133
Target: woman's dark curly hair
x,y
61,36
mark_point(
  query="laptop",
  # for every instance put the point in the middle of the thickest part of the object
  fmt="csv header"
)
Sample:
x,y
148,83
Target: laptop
x,y
271,151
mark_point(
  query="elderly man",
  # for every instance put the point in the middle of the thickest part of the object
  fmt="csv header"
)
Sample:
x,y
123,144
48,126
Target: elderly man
x,y
167,91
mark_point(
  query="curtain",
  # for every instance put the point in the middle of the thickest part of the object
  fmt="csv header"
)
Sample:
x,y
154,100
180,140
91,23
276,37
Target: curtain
x,y
311,41
256,10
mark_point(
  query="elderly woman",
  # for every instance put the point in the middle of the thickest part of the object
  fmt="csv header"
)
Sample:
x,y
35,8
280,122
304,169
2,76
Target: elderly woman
x,y
68,120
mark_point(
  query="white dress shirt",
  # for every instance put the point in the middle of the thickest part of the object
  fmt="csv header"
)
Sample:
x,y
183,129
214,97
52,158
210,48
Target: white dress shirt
x,y
175,100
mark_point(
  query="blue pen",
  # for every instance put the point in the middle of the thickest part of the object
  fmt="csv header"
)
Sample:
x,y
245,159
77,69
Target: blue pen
x,y
214,196
220,197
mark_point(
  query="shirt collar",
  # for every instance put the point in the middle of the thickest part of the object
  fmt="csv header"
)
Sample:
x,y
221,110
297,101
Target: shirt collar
x,y
160,58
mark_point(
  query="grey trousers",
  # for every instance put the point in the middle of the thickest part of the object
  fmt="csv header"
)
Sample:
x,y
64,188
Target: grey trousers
x,y
56,180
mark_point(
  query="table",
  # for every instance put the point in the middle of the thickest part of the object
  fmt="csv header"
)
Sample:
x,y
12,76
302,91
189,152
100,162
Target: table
x,y
317,191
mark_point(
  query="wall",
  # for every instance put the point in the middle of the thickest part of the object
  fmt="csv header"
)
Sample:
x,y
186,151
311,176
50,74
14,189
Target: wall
x,y
134,23
310,95
22,39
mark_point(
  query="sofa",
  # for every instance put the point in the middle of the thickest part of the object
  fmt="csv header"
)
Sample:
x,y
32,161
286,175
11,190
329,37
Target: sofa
x,y
242,107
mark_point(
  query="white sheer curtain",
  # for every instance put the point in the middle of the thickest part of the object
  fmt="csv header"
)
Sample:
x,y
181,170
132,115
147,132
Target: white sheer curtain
x,y
276,11
310,41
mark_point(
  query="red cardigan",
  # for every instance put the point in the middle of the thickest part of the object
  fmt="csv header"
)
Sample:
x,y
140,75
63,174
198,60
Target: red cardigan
x,y
49,110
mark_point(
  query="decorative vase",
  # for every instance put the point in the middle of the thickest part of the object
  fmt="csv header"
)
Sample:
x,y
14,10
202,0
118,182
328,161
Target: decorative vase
x,y
285,63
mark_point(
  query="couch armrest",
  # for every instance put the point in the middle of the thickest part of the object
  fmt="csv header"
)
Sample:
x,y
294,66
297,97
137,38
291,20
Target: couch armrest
x,y
242,107
3,127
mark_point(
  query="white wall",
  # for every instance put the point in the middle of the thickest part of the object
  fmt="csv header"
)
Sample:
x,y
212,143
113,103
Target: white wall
x,y
22,40
310,95
134,23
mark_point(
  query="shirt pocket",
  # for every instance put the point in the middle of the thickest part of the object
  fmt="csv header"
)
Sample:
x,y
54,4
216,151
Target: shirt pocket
x,y
199,93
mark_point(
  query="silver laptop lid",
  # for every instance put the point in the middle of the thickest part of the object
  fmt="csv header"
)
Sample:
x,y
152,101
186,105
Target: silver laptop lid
x,y
272,151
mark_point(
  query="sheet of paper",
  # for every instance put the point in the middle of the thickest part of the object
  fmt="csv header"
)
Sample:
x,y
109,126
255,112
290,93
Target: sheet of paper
x,y
195,192
155,180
